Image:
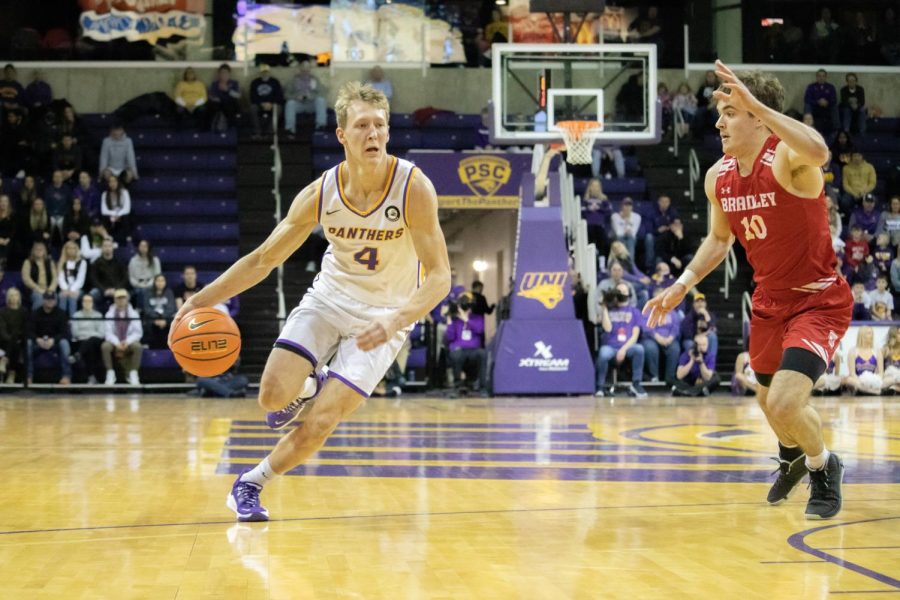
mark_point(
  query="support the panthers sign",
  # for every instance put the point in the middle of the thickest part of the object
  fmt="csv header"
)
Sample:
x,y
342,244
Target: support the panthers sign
x,y
474,179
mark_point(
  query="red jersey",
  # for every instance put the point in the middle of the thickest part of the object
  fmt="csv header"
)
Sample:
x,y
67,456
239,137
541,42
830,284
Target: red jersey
x,y
786,237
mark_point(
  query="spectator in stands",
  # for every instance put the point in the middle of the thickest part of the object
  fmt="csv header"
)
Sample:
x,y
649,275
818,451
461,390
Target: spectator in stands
x,y
684,102
117,156
465,340
889,32
11,91
29,193
659,222
122,339
48,330
224,100
646,28
606,160
13,319
881,293
597,212
809,120
889,222
90,196
378,81
630,99
616,278
115,206
189,285
39,274
699,319
72,275
673,248
67,158
825,38
853,105
861,301
707,115
190,96
72,125
38,94
107,275
842,148
835,226
142,268
625,224
664,97
16,151
744,381
304,96
880,312
480,304
856,248
821,100
58,198
883,253
92,243
832,174
662,339
662,277
865,364
88,333
265,94
7,229
620,328
483,131
34,224
640,283
77,223
696,374
866,218
859,179
158,309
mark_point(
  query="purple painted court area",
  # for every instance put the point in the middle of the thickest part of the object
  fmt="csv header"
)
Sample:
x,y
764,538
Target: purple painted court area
x,y
652,460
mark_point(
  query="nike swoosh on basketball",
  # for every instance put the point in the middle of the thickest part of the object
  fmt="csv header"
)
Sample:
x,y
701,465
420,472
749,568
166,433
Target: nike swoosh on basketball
x,y
331,212
195,325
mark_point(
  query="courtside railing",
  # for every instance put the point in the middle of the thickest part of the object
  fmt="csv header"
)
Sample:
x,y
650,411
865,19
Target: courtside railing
x,y
276,193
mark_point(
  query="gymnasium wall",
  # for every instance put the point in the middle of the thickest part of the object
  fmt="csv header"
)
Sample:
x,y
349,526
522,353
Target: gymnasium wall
x,y
457,89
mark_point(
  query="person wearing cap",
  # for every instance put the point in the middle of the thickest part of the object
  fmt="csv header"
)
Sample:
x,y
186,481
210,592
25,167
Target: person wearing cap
x,y
866,217
699,319
858,179
48,331
626,223
265,93
696,374
123,339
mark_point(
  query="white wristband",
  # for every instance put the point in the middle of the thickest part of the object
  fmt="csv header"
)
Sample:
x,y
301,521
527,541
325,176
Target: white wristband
x,y
688,279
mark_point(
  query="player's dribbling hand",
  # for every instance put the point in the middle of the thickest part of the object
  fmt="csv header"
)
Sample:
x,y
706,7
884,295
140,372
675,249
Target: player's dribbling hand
x,y
663,304
377,333
738,95
187,307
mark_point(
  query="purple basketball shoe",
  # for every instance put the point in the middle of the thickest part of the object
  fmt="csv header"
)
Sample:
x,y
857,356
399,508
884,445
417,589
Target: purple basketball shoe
x,y
244,501
287,415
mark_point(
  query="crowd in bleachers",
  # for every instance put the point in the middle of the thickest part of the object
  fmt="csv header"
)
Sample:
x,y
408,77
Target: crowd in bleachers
x,y
75,282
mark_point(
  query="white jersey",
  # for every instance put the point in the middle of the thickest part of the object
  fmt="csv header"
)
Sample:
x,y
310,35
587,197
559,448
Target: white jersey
x,y
370,257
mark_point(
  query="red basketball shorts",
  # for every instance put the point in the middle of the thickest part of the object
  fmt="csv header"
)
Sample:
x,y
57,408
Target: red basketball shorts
x,y
815,322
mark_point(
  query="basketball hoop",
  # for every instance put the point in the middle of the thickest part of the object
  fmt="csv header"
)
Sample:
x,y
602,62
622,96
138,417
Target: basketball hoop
x,y
579,137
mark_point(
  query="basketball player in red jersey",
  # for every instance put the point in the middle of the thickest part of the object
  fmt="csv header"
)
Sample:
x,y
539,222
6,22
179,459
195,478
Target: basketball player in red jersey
x,y
768,192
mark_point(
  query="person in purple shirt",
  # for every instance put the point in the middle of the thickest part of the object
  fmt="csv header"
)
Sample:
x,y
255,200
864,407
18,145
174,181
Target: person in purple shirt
x,y
11,91
87,191
465,339
821,101
866,217
620,327
658,223
696,373
662,339
38,94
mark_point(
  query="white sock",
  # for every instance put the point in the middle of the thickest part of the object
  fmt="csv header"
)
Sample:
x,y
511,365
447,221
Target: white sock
x,y
261,474
817,463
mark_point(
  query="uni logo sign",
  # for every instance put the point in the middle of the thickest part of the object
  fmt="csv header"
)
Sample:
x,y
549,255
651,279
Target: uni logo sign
x,y
545,287
484,175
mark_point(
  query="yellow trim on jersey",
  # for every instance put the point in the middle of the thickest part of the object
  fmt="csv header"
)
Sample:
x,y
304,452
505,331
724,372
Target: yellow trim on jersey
x,y
384,195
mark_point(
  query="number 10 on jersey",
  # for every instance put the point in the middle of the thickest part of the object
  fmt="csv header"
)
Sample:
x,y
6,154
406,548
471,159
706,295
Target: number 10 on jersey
x,y
754,227
368,256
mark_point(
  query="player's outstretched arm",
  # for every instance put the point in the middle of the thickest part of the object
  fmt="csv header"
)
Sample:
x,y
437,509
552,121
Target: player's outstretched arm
x,y
431,249
709,255
252,268
806,145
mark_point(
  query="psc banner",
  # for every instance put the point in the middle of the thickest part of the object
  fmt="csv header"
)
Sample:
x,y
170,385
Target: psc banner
x,y
142,20
480,180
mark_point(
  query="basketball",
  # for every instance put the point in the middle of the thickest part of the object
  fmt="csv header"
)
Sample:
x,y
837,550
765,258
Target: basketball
x,y
206,342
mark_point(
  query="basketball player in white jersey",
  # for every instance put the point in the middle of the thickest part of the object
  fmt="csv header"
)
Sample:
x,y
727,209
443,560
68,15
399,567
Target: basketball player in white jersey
x,y
385,268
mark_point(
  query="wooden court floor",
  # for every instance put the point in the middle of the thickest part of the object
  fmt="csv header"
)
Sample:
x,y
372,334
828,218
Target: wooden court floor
x,y
123,497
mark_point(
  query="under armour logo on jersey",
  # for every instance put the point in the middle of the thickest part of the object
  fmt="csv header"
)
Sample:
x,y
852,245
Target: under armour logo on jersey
x,y
726,189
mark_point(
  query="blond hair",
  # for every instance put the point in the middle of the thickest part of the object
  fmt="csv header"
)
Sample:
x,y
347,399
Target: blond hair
x,y
356,90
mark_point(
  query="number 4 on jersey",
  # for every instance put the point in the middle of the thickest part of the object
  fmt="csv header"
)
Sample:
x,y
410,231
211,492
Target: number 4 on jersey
x,y
754,228
368,256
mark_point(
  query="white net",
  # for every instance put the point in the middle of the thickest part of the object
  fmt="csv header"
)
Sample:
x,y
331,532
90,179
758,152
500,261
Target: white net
x,y
579,137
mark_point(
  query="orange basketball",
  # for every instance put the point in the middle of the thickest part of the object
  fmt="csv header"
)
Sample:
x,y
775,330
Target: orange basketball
x,y
206,342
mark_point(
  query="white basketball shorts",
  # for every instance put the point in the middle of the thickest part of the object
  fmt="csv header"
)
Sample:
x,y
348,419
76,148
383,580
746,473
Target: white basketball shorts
x,y
323,329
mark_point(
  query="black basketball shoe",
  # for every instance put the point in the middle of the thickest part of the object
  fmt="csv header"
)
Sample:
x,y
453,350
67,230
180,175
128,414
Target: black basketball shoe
x,y
825,496
791,469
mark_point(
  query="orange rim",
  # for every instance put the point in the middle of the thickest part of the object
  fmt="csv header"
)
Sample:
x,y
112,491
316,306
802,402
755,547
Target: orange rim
x,y
576,129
